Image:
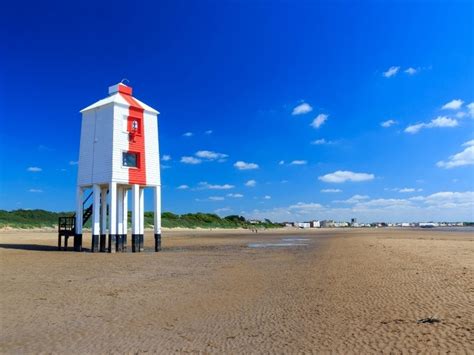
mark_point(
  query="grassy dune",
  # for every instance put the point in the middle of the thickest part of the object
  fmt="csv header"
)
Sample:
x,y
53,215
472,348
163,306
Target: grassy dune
x,y
41,219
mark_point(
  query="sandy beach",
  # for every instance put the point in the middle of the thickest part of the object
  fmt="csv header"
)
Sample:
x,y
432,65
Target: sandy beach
x,y
286,291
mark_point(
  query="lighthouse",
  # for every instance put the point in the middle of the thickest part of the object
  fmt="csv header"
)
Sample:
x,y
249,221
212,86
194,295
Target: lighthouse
x,y
118,160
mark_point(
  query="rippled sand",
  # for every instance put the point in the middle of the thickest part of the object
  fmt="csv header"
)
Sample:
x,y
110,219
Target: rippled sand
x,y
359,291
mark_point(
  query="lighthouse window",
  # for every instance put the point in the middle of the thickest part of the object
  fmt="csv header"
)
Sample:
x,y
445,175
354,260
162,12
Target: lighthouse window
x,y
130,159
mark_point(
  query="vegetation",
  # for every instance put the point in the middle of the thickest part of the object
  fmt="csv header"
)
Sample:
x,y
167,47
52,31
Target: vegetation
x,y
42,218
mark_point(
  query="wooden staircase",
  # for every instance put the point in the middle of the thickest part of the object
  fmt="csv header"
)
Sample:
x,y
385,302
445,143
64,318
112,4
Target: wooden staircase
x,y
67,225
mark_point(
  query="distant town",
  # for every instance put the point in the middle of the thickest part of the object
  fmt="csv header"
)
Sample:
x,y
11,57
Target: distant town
x,y
354,224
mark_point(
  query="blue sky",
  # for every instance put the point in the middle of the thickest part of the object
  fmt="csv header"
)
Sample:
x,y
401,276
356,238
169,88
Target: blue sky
x,y
333,109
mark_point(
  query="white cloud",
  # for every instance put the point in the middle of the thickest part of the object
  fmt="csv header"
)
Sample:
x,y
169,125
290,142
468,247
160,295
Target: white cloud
x,y
301,109
281,162
183,187
460,114
392,71
206,186
329,191
411,71
299,162
241,165
319,120
323,141
407,190
251,183
466,157
216,198
305,208
440,206
188,134
166,157
35,190
235,195
319,141
453,105
388,123
190,160
34,169
267,197
470,108
223,209
210,155
210,131
354,199
439,122
343,176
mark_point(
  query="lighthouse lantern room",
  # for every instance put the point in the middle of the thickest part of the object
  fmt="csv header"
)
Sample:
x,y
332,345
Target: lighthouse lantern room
x,y
118,159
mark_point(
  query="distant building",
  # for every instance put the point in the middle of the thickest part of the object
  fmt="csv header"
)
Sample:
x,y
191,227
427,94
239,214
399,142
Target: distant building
x,y
327,224
303,224
315,224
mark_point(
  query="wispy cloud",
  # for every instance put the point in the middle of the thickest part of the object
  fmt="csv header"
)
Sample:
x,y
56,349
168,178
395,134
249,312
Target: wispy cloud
x,y
223,209
190,160
206,186
439,122
301,109
299,162
166,157
241,165
453,105
388,123
411,71
235,195
353,199
466,157
188,134
35,190
251,183
34,169
216,198
392,71
209,131
210,155
319,120
341,176
281,162
470,108
323,141
267,197
183,187
330,191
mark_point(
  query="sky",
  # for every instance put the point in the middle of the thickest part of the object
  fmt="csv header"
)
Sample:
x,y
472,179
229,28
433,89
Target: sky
x,y
288,110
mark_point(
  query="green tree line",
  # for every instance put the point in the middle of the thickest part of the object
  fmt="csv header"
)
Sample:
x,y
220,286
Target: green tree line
x,y
41,218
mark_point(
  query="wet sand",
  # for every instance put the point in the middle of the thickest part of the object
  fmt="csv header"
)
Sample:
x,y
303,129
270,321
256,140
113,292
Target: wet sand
x,y
345,291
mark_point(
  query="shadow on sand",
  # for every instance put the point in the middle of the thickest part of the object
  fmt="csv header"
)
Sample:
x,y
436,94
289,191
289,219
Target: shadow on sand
x,y
33,247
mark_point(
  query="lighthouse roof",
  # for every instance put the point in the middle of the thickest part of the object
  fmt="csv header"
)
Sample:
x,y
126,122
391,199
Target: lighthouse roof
x,y
116,95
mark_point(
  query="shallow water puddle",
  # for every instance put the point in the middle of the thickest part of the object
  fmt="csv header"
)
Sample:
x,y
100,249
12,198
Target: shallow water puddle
x,y
285,242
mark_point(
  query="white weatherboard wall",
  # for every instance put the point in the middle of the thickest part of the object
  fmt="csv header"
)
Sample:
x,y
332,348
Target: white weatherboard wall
x,y
152,156
95,155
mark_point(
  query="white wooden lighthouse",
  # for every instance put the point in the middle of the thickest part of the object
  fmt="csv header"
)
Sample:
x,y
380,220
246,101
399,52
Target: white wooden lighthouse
x,y
118,159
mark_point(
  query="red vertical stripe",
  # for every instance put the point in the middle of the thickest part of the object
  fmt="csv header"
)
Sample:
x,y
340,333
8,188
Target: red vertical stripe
x,y
137,144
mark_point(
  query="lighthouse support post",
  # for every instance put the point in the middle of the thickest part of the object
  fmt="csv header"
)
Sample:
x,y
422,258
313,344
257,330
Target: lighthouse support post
x,y
135,217
113,217
78,221
95,219
103,219
142,220
119,218
125,219
157,218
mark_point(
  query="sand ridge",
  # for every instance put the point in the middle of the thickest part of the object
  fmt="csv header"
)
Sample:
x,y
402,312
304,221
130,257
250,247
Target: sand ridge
x,y
359,291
